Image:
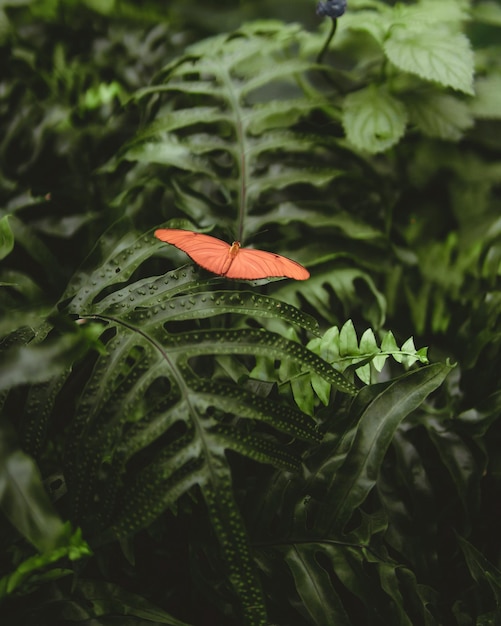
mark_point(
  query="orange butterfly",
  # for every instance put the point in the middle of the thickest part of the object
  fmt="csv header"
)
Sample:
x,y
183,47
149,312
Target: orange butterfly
x,y
231,261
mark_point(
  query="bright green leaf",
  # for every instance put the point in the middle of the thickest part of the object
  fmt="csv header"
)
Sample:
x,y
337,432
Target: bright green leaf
x,y
364,373
348,342
373,119
433,54
389,344
368,343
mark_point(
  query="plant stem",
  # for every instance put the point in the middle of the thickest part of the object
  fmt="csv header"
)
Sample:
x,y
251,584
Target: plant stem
x,y
327,41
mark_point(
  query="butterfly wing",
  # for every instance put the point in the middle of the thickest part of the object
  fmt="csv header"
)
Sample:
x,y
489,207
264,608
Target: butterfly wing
x,y
250,264
210,253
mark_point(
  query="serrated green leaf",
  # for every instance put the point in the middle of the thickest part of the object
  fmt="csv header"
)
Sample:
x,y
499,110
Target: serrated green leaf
x,y
433,54
447,12
373,119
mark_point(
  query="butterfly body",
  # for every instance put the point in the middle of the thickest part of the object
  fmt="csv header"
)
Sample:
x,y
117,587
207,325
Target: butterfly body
x,y
231,261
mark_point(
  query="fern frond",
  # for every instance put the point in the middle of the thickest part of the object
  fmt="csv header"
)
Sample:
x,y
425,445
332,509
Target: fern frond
x,y
225,125
341,346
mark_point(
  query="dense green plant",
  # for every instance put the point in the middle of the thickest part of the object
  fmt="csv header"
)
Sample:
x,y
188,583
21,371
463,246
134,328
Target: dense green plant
x,y
256,460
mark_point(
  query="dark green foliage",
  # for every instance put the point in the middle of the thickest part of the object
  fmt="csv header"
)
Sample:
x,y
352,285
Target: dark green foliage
x,y
177,448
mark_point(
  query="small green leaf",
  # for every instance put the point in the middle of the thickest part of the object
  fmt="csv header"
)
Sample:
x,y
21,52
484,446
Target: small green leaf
x,y
6,237
303,397
408,346
364,373
389,344
378,361
348,342
373,119
422,353
330,345
322,388
368,343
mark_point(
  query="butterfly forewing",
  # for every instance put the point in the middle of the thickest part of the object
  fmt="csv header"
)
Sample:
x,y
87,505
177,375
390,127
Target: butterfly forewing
x,y
210,253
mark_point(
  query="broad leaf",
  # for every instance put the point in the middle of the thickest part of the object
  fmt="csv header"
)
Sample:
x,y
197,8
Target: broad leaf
x,y
433,54
373,119
379,410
